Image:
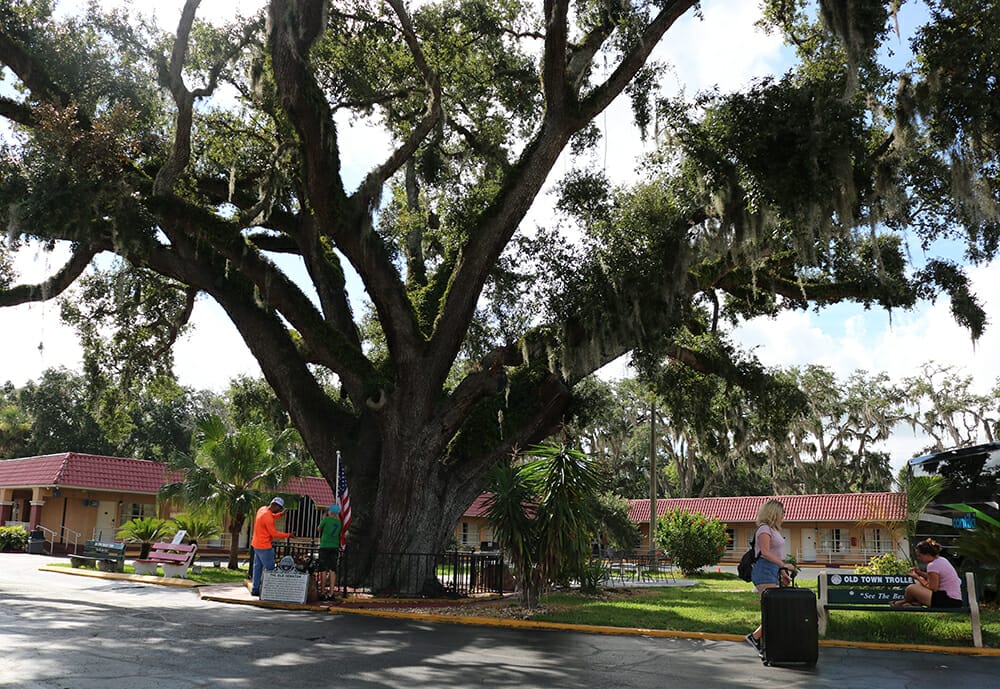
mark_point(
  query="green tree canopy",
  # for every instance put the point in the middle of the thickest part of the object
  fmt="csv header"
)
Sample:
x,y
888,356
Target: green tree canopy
x,y
793,192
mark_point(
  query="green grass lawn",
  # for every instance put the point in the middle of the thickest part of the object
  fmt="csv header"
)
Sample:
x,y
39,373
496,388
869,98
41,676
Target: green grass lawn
x,y
721,603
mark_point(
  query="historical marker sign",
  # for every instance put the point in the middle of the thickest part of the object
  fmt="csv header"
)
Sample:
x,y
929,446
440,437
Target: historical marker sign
x,y
285,584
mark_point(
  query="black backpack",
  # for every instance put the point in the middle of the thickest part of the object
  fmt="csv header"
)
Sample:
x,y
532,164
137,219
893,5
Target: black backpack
x,y
745,568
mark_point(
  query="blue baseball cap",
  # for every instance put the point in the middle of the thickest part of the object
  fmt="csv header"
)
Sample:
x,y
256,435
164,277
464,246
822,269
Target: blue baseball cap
x,y
280,502
334,509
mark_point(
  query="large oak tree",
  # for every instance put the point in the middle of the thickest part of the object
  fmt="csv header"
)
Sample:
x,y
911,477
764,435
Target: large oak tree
x,y
211,159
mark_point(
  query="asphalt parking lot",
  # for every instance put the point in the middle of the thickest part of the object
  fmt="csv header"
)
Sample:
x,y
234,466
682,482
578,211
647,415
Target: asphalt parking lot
x,y
70,632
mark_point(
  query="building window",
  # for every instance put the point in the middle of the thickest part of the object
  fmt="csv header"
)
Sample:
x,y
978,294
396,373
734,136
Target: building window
x,y
830,540
139,510
465,533
730,539
874,540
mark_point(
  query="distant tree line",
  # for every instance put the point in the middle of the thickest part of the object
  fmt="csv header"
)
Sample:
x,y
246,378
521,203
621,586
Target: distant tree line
x,y
61,412
819,435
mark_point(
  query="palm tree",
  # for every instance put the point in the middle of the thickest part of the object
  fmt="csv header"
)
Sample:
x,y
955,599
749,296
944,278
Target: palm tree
x,y
145,531
544,512
920,492
232,472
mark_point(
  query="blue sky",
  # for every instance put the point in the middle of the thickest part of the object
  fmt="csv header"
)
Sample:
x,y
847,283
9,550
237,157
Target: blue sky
x,y
843,338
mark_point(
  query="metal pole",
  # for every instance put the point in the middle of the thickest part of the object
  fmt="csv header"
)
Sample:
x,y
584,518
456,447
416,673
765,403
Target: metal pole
x,y
652,478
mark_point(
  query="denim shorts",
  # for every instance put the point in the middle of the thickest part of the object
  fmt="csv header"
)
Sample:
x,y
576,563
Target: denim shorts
x,y
764,572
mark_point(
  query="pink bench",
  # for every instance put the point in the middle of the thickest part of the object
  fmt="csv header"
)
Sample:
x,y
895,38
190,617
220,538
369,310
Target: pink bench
x,y
175,558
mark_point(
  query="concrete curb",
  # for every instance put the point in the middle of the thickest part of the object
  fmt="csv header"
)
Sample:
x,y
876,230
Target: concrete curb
x,y
96,574
653,633
511,624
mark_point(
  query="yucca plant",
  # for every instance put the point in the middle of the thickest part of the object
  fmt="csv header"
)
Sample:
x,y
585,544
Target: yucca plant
x,y
543,512
146,531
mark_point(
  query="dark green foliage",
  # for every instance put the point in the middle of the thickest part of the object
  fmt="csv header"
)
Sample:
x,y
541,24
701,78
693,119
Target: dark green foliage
x,y
13,538
692,540
543,513
620,533
146,531
61,421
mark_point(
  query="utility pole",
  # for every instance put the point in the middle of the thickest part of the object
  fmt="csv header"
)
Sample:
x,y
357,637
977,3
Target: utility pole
x,y
652,478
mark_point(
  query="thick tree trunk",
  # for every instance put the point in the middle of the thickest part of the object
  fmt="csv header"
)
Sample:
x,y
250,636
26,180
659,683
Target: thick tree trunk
x,y
405,500
236,525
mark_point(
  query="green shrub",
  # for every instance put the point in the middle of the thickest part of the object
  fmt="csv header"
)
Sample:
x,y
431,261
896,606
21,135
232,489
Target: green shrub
x,y
13,538
692,539
887,563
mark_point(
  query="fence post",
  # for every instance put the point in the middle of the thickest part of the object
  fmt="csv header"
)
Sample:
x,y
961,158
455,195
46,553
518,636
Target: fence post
x,y
342,571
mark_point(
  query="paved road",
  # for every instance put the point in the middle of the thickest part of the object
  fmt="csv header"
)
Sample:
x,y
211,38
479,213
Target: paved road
x,y
66,632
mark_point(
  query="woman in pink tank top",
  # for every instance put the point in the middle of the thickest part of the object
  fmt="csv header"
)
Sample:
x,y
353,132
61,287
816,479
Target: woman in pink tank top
x,y
939,586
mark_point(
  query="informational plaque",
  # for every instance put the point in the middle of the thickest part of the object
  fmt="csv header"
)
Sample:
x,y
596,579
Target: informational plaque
x,y
285,584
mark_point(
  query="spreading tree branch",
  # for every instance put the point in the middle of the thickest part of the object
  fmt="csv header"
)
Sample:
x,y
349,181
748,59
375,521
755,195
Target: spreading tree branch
x,y
55,285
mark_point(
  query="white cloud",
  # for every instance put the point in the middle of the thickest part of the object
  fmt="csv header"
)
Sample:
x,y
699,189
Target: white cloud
x,y
214,353
34,340
846,338
724,49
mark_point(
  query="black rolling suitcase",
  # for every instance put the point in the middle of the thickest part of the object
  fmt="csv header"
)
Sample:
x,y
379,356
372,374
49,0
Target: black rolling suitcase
x,y
788,619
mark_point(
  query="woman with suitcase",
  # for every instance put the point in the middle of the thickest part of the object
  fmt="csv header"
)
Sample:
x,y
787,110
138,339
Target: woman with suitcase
x,y
770,569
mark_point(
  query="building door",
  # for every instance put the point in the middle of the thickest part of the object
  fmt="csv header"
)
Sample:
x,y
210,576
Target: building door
x,y
107,521
809,545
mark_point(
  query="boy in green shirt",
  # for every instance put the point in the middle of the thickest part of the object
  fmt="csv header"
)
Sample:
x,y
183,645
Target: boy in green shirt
x,y
329,549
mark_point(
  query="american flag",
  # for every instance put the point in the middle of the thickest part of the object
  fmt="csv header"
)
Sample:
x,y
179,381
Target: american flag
x,y
344,500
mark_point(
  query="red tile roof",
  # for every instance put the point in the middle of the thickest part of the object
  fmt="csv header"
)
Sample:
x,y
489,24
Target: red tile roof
x,y
478,506
99,472
76,470
798,508
314,487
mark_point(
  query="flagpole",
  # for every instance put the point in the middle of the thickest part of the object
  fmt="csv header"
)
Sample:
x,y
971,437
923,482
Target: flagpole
x,y
336,480
336,494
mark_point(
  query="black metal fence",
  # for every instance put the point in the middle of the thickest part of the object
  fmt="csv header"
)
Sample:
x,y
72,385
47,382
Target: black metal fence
x,y
634,567
409,575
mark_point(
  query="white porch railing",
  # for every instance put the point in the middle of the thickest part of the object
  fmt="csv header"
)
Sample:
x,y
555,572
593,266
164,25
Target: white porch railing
x,y
70,536
852,555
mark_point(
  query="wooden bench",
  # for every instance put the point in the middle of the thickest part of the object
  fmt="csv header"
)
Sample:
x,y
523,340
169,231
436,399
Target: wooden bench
x,y
107,557
876,592
174,558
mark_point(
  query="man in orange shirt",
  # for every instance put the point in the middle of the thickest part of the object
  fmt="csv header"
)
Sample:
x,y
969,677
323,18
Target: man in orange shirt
x,y
264,532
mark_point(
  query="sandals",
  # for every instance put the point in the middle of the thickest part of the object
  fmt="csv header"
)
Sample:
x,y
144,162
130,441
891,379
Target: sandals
x,y
904,604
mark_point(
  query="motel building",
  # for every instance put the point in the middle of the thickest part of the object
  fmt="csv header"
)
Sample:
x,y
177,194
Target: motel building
x,y
832,529
74,497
